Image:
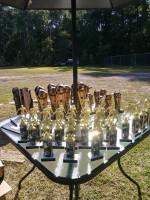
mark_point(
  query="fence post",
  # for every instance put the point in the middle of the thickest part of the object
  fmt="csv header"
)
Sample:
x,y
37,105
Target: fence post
x,y
135,60
120,60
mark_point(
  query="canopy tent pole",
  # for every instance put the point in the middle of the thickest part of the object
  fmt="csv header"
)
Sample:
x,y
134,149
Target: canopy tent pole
x,y
74,50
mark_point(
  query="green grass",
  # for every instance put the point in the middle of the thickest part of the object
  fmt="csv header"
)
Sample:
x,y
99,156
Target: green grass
x,y
108,185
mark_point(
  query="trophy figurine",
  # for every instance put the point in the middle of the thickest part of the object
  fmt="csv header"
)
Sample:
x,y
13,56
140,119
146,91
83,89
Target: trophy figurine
x,y
95,146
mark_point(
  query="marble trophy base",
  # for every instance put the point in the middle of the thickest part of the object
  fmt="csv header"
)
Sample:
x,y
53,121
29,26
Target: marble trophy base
x,y
125,140
23,141
70,160
30,146
52,158
56,146
93,158
136,134
84,146
110,147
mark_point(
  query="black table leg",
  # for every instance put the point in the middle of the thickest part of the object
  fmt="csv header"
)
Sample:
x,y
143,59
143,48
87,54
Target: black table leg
x,y
27,174
77,188
128,177
71,192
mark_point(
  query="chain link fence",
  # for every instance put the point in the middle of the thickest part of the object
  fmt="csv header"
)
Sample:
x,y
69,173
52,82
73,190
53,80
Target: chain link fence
x,y
129,60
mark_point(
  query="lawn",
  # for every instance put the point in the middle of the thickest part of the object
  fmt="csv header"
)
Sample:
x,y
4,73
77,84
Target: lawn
x,y
134,85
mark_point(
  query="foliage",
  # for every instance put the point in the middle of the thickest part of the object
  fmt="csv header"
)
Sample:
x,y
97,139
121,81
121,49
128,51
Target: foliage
x,y
44,37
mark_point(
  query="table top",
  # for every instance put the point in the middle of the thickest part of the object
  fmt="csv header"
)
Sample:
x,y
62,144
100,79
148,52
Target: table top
x,y
73,173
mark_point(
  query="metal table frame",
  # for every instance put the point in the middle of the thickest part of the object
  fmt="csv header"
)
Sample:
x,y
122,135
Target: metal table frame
x,y
74,183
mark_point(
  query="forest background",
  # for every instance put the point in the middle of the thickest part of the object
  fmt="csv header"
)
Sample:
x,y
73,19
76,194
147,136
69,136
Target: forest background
x,y
44,37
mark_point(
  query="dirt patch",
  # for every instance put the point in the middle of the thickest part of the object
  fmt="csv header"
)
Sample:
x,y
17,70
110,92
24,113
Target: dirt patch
x,y
13,156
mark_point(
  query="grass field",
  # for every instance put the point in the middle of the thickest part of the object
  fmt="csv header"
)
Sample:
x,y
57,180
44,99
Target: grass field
x,y
133,83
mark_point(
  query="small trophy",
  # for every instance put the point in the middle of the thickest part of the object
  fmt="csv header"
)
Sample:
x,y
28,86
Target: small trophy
x,y
84,124
70,155
108,102
117,99
112,135
48,154
70,149
136,123
125,128
23,130
23,125
95,146
36,124
32,136
59,132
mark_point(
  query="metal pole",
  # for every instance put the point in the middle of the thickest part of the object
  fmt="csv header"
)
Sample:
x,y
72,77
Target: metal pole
x,y
74,50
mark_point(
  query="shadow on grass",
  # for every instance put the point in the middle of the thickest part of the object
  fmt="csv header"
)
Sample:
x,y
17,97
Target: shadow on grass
x,y
59,68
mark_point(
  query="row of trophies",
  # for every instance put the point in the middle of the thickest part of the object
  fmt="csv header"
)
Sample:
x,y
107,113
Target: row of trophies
x,y
63,95
60,127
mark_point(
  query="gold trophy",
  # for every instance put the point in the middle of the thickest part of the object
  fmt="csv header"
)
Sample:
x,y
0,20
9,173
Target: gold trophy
x,y
95,146
23,123
85,123
117,99
59,125
108,102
